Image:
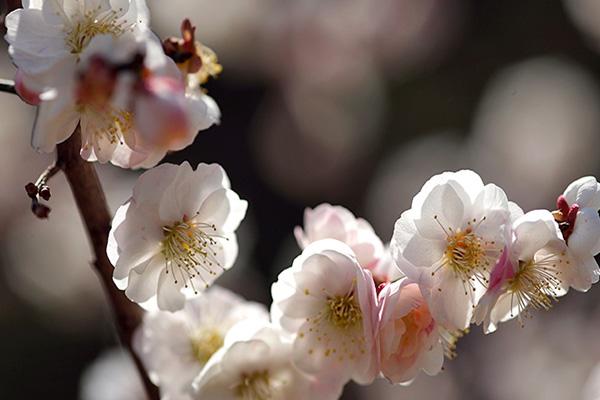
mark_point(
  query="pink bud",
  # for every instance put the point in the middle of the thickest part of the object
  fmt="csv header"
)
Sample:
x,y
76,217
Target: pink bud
x,y
562,205
27,95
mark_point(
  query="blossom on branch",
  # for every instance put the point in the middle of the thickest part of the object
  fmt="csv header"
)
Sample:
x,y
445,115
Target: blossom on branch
x,y
259,366
98,65
176,234
579,222
409,338
531,272
327,302
449,240
175,347
336,222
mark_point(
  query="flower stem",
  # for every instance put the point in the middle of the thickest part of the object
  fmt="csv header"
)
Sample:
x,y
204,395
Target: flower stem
x,y
92,206
8,86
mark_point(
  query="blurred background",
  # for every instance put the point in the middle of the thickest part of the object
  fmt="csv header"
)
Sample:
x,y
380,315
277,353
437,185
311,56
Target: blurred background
x,y
352,102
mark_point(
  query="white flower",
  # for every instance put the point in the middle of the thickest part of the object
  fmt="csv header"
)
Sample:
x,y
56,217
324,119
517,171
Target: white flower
x,y
112,376
328,303
106,98
47,37
174,347
335,222
529,274
448,241
108,72
176,234
260,367
409,338
579,222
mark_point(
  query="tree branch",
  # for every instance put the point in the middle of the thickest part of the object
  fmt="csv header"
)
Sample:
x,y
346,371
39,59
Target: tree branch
x,y
8,86
92,206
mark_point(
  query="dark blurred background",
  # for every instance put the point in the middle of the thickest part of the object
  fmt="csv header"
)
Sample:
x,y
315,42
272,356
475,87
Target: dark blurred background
x,y
353,102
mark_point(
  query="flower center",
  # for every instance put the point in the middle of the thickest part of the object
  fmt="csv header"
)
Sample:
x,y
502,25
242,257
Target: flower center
x,y
467,254
418,324
110,122
79,35
189,247
254,386
205,343
343,311
464,253
536,284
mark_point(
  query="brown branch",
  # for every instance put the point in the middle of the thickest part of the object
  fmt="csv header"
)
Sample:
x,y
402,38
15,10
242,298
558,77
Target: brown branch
x,y
92,206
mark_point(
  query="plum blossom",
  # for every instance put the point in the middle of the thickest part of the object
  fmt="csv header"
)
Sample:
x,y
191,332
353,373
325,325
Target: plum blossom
x,y
112,77
335,222
529,274
176,234
327,302
579,222
47,40
174,347
449,240
47,37
260,367
409,338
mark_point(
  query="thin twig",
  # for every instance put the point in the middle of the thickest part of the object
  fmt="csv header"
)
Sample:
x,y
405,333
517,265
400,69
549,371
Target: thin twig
x,y
92,206
8,86
40,191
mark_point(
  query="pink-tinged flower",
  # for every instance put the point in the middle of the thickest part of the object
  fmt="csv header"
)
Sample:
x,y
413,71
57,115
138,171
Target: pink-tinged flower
x,y
257,365
335,222
98,65
449,240
176,234
327,302
175,347
530,273
579,222
409,338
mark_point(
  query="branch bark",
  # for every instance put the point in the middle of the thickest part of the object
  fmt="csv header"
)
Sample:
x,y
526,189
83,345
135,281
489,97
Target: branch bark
x,y
92,206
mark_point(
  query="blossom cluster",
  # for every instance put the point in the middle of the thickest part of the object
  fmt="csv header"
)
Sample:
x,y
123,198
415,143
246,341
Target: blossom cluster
x,y
97,64
350,306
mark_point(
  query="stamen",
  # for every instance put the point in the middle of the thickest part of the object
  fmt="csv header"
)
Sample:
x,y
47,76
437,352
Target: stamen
x,y
190,247
344,311
205,343
91,24
535,285
467,254
254,386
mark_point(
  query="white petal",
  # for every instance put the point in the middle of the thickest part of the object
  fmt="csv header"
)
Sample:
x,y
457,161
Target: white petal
x,y
586,234
142,284
443,209
169,296
534,231
55,122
